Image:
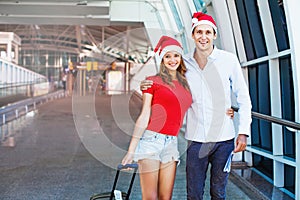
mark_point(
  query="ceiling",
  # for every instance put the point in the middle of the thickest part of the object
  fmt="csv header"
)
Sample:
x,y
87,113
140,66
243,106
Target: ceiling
x,y
80,27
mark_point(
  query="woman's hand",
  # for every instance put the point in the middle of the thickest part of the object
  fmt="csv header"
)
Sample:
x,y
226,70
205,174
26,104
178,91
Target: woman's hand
x,y
145,84
230,113
128,158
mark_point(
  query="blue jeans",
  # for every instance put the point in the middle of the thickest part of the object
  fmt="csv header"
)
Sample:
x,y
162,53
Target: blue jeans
x,y
199,155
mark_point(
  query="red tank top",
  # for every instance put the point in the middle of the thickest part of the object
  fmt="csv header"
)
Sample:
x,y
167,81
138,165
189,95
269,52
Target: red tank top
x,y
169,105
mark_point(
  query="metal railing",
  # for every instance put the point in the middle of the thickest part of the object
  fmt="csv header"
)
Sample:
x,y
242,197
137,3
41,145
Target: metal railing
x,y
276,120
20,108
272,119
10,89
279,158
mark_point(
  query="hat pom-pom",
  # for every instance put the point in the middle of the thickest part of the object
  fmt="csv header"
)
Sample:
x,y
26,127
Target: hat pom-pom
x,y
194,20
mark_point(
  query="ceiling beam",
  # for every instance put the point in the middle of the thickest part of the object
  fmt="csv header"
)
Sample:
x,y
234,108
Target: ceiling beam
x,y
54,20
49,12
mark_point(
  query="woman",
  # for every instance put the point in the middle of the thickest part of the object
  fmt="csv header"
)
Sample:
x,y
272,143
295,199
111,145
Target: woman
x,y
154,140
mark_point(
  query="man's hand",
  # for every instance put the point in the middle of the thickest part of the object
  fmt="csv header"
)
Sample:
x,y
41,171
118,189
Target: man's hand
x,y
241,143
145,84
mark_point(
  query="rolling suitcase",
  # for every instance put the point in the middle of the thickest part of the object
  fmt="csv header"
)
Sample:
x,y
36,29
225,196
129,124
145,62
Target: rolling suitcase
x,y
115,194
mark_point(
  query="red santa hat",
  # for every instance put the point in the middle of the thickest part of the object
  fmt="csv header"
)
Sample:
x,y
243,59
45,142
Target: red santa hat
x,y
166,44
202,18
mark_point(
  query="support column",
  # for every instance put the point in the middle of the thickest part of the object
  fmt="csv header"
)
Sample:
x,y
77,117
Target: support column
x,y
127,77
292,17
8,51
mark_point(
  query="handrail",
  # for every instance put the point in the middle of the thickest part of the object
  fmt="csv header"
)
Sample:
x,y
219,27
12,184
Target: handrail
x,y
13,111
273,119
277,120
19,84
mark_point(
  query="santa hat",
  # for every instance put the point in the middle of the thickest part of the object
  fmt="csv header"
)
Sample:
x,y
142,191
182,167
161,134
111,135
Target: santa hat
x,y
166,44
202,18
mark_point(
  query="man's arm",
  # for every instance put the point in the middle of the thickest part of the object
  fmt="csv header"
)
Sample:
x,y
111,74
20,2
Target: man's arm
x,y
145,84
240,89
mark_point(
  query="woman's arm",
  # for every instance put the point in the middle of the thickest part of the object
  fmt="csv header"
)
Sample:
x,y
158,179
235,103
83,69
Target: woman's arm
x,y
140,126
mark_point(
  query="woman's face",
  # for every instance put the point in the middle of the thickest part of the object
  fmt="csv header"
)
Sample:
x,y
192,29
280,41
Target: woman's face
x,y
172,60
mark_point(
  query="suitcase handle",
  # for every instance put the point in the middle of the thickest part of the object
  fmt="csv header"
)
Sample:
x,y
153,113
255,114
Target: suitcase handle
x,y
133,166
120,167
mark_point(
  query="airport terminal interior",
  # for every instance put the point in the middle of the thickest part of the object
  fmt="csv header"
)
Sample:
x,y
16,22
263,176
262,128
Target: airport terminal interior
x,y
70,74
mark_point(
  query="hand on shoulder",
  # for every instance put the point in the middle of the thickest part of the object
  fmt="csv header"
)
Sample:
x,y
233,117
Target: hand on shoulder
x,y
145,84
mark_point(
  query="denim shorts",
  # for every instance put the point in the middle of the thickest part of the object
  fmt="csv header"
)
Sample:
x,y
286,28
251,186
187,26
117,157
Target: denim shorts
x,y
157,146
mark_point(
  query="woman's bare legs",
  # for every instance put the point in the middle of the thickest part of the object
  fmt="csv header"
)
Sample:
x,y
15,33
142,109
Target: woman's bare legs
x,y
166,180
157,179
149,170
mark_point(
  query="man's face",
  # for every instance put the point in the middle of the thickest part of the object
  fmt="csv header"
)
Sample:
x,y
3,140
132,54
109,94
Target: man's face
x,y
204,36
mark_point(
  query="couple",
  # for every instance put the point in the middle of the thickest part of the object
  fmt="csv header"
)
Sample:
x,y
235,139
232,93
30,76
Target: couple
x,y
202,86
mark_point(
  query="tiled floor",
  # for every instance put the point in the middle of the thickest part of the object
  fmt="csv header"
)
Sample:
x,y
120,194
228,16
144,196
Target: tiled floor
x,y
69,149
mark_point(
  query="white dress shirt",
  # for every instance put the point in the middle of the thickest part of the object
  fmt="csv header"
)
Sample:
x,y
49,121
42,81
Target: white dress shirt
x,y
211,89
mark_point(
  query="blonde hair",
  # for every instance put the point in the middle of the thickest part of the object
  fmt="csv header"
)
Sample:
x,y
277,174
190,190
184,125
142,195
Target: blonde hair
x,y
180,74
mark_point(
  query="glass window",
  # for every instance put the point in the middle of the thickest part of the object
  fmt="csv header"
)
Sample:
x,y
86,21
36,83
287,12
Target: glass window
x,y
279,23
251,28
288,104
36,58
28,60
199,4
179,24
263,164
42,60
289,178
51,60
259,88
74,58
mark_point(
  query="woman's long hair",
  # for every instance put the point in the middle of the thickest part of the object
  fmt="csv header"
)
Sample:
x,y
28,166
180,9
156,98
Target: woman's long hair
x,y
180,74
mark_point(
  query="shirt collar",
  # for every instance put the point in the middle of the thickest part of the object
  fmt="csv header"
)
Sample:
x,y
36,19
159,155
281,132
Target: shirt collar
x,y
190,56
213,54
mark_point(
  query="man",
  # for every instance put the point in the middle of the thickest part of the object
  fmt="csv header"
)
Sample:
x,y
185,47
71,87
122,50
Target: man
x,y
212,75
